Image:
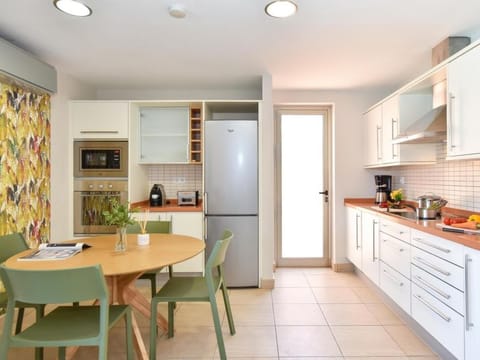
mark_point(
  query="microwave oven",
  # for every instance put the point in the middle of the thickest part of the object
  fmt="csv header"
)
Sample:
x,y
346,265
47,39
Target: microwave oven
x,y
100,159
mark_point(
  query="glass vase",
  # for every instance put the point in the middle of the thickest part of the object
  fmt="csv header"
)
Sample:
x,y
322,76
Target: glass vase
x,y
121,244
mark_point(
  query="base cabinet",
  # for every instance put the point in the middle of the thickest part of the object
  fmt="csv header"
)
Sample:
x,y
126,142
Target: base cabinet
x,y
183,223
370,249
472,304
354,236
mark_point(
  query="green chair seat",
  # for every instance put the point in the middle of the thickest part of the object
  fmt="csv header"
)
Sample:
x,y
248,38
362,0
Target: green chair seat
x,y
196,289
10,245
153,227
65,325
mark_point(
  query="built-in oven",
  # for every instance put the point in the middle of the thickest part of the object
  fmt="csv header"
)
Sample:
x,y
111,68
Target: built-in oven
x,y
100,159
91,198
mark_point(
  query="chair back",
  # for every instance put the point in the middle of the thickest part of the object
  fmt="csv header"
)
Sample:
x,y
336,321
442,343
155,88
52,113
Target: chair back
x,y
11,245
153,227
217,256
55,286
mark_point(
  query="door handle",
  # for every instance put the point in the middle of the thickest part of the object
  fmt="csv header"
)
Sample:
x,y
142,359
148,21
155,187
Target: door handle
x,y
324,192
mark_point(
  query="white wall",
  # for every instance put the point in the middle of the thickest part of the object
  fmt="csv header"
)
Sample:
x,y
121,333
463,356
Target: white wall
x,y
349,179
61,153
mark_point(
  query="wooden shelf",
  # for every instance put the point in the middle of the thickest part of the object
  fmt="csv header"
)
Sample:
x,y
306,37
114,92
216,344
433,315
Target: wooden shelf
x,y
196,146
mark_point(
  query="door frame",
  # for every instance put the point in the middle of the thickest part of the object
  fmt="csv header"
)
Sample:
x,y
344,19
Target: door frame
x,y
306,109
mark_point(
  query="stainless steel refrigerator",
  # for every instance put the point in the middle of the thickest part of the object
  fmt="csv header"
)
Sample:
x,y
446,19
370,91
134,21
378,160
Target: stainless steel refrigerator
x,y
231,196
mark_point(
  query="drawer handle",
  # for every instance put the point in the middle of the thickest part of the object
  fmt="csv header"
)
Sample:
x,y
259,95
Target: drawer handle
x,y
400,249
434,288
393,278
468,323
433,246
433,308
98,132
431,266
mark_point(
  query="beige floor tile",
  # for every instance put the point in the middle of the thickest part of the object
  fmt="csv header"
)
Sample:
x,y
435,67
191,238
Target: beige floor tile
x,y
290,279
335,280
325,295
250,296
293,296
297,341
196,314
384,315
251,342
410,343
311,358
348,314
298,314
365,341
377,358
367,296
188,343
251,315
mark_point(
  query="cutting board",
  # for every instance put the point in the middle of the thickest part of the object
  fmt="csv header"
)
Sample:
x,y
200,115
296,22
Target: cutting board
x,y
459,230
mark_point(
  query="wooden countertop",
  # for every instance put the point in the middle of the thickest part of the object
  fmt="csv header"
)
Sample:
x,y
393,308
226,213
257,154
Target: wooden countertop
x,y
171,206
427,226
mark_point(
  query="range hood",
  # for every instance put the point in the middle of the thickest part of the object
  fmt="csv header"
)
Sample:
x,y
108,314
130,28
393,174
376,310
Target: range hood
x,y
430,128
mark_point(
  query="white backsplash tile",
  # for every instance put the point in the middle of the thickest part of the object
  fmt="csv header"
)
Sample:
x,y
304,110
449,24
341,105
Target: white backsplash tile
x,y
176,177
457,181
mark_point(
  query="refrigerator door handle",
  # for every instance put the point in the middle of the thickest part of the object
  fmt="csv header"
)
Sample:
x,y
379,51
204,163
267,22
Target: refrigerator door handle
x,y
205,228
205,202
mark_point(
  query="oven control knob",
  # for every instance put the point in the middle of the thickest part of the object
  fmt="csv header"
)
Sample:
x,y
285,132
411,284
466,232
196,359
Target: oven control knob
x,y
90,186
110,186
100,186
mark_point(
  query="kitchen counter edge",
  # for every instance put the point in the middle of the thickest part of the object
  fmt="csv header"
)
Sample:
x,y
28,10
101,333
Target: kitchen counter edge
x,y
172,206
472,241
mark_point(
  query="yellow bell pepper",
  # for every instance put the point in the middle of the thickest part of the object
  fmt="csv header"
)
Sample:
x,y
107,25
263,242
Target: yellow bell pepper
x,y
475,218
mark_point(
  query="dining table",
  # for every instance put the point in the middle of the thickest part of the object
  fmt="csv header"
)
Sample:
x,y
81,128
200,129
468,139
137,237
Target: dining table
x,y
122,268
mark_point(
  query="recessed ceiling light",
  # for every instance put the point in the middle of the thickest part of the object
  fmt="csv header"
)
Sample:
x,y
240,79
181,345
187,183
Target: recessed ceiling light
x,y
72,7
177,11
281,8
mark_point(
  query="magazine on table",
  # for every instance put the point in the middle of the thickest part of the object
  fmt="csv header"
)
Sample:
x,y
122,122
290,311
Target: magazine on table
x,y
54,251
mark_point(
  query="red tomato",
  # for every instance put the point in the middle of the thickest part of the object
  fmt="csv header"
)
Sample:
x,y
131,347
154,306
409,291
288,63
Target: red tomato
x,y
447,221
458,220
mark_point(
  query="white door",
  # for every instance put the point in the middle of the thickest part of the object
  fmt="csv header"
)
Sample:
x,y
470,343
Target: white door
x,y
302,186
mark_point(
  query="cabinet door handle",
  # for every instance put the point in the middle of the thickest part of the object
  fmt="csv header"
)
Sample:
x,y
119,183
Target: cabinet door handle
x,y
451,102
99,131
434,288
433,308
431,266
374,258
393,278
356,231
205,202
379,148
433,246
466,296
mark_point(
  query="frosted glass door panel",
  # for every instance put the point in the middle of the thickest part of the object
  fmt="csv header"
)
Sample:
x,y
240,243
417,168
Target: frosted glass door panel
x,y
164,134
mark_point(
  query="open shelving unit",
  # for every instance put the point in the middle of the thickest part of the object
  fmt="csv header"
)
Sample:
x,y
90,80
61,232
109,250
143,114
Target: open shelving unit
x,y
196,133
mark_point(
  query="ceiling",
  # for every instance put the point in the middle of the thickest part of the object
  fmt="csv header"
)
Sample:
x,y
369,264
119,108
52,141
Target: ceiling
x,y
328,44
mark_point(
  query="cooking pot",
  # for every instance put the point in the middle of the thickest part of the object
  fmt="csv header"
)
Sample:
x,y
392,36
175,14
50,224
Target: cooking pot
x,y
431,202
427,214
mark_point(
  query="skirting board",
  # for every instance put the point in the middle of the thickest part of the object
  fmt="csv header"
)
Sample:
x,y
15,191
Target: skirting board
x,y
267,283
343,267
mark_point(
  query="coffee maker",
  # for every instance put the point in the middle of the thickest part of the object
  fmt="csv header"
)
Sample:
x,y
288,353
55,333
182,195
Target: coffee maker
x,y
157,195
383,184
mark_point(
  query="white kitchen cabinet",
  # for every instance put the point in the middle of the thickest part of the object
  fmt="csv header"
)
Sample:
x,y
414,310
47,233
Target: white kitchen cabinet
x,y
463,112
472,303
373,137
354,236
370,246
99,119
390,117
396,286
183,223
164,134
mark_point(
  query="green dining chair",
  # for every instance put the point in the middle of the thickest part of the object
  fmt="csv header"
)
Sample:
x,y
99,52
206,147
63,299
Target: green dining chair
x,y
81,325
196,289
153,227
11,245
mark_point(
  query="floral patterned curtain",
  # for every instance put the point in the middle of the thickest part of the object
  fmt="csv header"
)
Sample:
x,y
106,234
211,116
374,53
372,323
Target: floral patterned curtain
x,y
24,163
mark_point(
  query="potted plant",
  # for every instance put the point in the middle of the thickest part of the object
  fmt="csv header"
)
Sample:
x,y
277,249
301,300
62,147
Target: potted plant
x,y
120,216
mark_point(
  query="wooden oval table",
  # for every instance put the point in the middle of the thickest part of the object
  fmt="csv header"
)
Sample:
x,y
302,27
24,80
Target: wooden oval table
x,y
121,269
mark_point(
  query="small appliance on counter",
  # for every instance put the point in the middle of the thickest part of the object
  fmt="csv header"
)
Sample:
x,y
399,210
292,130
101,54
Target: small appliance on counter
x,y
187,198
157,195
384,187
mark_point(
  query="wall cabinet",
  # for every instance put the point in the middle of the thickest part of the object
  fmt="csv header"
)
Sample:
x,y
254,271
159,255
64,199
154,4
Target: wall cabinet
x,y
370,248
354,236
99,119
164,134
463,125
373,137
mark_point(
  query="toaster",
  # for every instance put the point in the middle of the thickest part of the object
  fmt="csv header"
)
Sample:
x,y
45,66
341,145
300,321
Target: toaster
x,y
187,198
